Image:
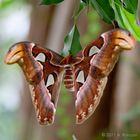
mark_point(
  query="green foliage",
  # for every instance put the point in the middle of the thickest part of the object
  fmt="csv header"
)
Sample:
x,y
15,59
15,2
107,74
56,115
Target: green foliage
x,y
138,13
124,12
82,6
104,9
72,42
86,1
49,2
5,3
126,19
130,5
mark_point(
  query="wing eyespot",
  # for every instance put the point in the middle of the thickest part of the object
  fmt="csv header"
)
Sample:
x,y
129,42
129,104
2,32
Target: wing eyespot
x,y
80,77
41,57
50,80
93,50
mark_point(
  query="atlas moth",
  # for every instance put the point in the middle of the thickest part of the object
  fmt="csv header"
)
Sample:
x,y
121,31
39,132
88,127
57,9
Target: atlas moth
x,y
95,68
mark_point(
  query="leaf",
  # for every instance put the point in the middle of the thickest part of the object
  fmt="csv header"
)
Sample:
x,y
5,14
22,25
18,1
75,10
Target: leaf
x,y
117,10
138,13
82,6
86,1
125,19
104,10
6,3
49,2
72,42
130,5
130,23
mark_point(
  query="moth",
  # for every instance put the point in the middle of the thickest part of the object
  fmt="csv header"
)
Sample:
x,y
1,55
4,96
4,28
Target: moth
x,y
95,67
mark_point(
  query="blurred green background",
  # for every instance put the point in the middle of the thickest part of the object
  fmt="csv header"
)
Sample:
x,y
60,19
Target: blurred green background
x,y
118,115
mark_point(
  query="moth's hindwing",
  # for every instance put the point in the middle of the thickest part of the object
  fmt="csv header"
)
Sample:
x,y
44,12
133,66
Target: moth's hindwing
x,y
97,69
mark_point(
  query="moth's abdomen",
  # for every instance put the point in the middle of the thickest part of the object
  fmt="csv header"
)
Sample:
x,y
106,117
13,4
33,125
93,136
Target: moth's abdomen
x,y
68,78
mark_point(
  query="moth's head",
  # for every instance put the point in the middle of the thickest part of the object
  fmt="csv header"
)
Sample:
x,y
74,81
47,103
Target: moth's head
x,y
18,51
122,38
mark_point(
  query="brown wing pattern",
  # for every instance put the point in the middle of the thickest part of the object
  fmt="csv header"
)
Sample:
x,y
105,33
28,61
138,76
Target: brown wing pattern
x,y
101,64
96,68
84,61
44,98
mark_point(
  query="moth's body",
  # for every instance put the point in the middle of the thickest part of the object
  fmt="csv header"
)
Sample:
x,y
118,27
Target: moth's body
x,y
69,77
95,67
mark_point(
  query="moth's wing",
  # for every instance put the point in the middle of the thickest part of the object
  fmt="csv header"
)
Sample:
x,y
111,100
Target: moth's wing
x,y
85,56
53,72
88,97
115,41
88,93
37,73
86,87
98,67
